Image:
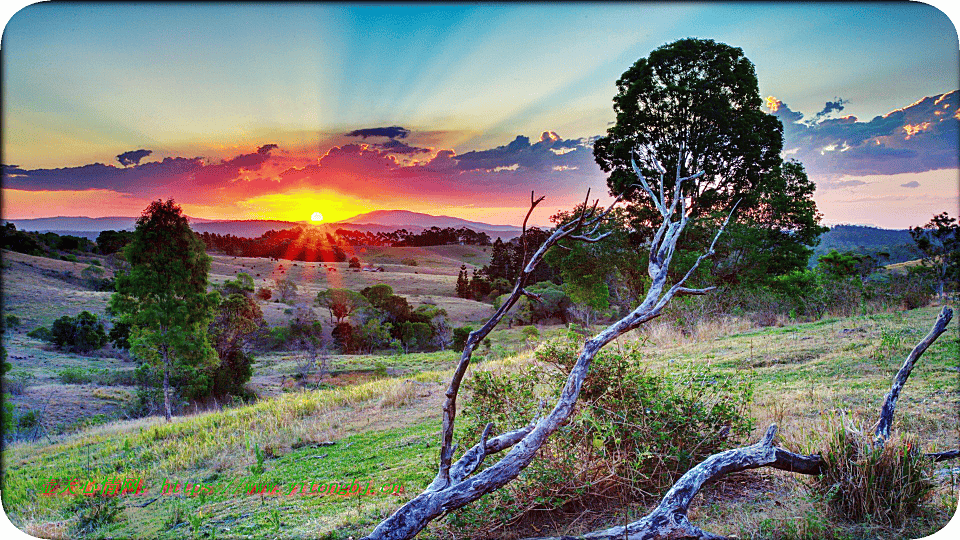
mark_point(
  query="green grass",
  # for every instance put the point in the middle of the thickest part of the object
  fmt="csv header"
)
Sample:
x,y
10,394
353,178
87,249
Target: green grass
x,y
385,431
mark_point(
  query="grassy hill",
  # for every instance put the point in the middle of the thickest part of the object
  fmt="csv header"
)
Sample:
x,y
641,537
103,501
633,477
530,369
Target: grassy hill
x,y
383,433
376,418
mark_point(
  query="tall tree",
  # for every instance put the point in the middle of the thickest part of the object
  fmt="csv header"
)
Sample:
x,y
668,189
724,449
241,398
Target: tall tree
x,y
163,297
939,241
693,106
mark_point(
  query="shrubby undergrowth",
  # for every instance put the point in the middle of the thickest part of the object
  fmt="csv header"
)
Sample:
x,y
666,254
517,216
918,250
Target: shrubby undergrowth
x,y
635,431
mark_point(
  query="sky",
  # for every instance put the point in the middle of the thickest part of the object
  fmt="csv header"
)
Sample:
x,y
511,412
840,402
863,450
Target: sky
x,y
255,111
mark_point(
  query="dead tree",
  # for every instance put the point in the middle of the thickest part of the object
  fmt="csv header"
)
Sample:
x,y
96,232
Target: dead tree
x,y
669,519
458,483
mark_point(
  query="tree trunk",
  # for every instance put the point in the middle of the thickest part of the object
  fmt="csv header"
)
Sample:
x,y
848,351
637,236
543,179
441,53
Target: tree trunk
x,y
166,384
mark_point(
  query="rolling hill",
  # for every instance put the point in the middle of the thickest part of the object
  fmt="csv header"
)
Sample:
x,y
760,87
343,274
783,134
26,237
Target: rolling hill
x,y
374,222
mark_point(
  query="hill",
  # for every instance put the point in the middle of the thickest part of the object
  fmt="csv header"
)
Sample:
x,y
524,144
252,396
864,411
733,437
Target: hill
x,y
372,222
870,240
406,217
383,433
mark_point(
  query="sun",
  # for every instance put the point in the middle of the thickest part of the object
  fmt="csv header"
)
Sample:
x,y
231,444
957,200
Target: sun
x,y
317,216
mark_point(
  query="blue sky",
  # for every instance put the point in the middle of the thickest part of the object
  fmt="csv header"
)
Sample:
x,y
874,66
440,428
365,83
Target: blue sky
x,y
83,83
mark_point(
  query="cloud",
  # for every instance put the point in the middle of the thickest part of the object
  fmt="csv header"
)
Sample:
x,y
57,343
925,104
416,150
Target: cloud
x,y
393,132
399,147
133,157
550,152
830,107
920,137
911,184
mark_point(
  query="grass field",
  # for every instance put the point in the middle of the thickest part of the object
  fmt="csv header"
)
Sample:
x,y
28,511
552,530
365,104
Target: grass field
x,y
384,432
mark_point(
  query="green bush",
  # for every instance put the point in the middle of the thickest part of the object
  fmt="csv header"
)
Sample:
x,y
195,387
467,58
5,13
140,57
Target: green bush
x,y
633,433
42,333
460,336
95,512
409,261
83,333
74,375
10,321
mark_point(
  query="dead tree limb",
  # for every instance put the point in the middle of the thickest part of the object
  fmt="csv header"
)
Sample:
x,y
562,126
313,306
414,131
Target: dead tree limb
x,y
456,484
882,432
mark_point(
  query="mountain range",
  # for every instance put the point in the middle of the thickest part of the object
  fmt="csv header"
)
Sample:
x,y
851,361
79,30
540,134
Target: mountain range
x,y
374,222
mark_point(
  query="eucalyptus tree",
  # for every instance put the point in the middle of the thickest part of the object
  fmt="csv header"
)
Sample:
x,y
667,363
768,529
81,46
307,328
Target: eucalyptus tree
x,y
163,298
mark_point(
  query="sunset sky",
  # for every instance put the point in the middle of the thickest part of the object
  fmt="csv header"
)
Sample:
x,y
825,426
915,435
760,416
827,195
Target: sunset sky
x,y
254,111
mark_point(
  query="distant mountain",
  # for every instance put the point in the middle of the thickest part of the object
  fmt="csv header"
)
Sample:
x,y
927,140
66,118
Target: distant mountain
x,y
82,224
401,218
869,240
373,222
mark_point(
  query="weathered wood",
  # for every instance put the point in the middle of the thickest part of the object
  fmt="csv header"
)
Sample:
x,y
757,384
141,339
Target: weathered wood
x,y
669,519
882,432
455,484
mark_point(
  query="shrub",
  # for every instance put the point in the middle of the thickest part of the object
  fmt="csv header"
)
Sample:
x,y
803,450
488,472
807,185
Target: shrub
x,y
863,482
17,382
460,336
264,293
83,333
633,433
74,375
354,262
95,512
11,321
409,261
42,333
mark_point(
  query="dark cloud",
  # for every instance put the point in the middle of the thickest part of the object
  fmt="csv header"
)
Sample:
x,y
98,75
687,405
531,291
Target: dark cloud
x,y
920,137
830,107
393,132
133,157
549,153
399,147
911,184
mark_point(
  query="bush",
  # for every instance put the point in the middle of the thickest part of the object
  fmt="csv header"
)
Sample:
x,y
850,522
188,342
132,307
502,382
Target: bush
x,y
83,333
633,433
11,321
95,512
460,336
17,382
354,262
862,482
409,261
264,293
42,333
74,375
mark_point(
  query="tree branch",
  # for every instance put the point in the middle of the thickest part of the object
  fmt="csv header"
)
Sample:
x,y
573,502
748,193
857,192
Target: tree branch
x,y
882,432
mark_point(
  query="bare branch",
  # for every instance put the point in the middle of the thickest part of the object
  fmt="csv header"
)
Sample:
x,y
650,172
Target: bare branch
x,y
535,297
451,490
684,291
882,432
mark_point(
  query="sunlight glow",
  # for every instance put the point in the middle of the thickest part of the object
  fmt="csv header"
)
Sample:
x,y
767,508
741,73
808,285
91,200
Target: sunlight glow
x,y
317,216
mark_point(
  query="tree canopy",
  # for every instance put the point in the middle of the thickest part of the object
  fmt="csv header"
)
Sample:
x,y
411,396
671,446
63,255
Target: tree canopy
x,y
693,106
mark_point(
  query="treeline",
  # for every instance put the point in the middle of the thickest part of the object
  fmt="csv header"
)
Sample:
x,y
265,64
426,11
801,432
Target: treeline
x,y
296,244
48,244
897,245
312,245
434,236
